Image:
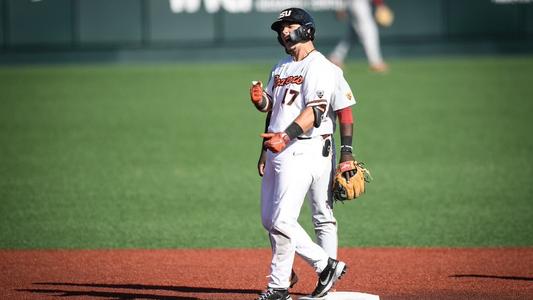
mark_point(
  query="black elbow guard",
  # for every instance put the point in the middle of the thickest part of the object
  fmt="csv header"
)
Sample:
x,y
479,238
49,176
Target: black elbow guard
x,y
318,111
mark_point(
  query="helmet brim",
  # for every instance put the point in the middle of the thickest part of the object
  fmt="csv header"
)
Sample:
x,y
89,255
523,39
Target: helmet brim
x,y
276,26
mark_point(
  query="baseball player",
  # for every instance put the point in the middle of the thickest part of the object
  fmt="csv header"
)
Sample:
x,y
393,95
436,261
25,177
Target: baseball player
x,y
361,22
319,195
297,100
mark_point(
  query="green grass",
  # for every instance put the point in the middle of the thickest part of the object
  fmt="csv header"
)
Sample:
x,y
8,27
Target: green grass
x,y
157,156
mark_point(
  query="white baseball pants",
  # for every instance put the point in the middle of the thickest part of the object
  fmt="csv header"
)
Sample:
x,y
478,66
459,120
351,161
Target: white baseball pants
x,y
287,179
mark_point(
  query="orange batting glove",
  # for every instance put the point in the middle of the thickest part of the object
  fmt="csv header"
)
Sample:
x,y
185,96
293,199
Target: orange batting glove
x,y
256,92
276,142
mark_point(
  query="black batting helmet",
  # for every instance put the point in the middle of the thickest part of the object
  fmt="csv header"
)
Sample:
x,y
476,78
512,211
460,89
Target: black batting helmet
x,y
299,16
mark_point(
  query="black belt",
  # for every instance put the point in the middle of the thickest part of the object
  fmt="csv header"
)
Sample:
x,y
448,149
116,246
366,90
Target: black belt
x,y
324,136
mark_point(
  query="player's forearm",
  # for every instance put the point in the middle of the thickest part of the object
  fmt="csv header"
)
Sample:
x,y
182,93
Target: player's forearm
x,y
306,119
346,132
301,124
277,141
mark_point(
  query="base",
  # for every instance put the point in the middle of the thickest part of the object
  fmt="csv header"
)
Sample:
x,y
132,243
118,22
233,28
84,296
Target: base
x,y
343,296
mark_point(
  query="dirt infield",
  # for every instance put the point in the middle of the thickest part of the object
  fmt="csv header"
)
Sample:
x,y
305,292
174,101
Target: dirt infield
x,y
391,273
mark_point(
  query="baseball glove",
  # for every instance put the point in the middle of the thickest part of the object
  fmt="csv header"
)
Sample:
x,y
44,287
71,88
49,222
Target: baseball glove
x,y
349,181
384,15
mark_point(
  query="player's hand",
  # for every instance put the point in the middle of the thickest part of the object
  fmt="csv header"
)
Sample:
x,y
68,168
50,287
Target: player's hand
x,y
344,158
261,163
275,142
256,92
346,171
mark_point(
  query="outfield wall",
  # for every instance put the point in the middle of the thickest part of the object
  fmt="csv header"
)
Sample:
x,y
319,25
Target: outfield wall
x,y
178,29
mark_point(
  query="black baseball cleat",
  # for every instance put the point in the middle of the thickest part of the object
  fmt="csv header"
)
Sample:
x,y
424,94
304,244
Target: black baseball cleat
x,y
275,294
294,279
327,278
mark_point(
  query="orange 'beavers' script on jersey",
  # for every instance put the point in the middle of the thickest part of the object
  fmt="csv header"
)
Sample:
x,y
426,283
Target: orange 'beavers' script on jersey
x,y
291,79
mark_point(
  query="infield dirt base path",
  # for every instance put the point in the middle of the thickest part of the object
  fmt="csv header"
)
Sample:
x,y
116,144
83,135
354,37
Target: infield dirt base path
x,y
391,273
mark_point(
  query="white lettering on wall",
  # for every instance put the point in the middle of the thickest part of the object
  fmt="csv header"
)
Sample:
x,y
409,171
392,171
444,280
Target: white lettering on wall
x,y
245,6
187,6
231,6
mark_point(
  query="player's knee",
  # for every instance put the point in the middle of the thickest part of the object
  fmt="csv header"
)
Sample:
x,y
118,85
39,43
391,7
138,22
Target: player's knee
x,y
282,226
325,226
324,219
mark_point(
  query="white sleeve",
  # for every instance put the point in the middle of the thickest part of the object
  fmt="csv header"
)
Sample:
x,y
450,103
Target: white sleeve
x,y
343,96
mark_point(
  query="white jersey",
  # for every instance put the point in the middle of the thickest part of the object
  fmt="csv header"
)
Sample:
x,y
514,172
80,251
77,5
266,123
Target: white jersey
x,y
296,85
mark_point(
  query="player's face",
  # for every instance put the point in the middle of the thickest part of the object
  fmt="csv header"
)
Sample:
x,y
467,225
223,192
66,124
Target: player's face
x,y
286,29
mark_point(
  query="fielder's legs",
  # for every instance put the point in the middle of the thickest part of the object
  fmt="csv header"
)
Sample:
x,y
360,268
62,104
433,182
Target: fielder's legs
x,y
367,30
339,53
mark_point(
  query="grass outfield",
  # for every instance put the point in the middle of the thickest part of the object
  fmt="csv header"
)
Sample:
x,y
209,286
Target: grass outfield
x,y
160,156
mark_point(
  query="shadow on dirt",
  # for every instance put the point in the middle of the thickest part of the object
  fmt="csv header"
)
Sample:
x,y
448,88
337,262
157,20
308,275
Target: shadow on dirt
x,y
492,277
63,292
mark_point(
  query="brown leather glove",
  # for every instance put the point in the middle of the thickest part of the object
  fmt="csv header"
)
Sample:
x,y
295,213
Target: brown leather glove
x,y
350,179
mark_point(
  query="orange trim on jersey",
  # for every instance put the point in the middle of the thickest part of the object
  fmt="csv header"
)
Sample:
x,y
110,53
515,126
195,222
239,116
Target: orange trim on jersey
x,y
317,102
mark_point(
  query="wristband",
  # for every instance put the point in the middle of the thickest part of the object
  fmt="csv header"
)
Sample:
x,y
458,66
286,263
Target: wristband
x,y
261,105
346,140
294,130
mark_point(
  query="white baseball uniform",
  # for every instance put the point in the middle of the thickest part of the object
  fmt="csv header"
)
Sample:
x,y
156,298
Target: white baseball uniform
x,y
294,86
320,194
